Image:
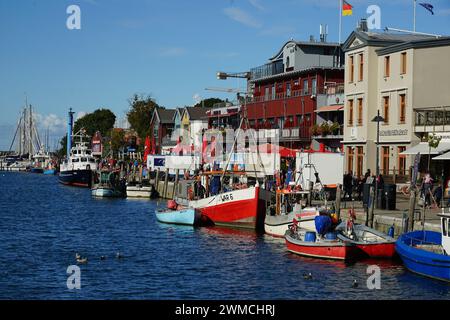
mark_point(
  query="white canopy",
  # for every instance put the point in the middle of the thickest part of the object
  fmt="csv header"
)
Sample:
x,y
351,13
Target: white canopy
x,y
424,148
445,156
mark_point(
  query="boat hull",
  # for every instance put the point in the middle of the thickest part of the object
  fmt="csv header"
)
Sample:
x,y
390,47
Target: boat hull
x,y
76,178
244,208
188,217
379,246
37,170
334,250
106,193
420,261
50,172
276,226
138,192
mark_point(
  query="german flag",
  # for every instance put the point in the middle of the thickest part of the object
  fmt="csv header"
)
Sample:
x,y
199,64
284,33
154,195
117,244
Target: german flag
x,y
347,8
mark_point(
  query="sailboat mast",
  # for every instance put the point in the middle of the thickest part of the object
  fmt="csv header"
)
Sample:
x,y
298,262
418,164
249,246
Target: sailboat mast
x,y
31,133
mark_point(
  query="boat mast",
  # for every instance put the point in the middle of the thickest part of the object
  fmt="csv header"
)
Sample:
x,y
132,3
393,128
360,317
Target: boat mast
x,y
31,134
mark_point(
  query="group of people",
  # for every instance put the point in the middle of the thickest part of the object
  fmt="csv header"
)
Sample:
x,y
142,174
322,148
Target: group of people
x,y
355,184
431,194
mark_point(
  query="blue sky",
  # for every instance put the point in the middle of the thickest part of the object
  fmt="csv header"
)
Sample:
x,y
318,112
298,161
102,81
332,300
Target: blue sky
x,y
169,49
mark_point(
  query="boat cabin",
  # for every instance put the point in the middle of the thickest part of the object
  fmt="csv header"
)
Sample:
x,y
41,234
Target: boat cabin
x,y
445,230
81,158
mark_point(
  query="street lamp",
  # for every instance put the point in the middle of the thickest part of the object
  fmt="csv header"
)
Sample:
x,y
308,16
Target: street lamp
x,y
377,119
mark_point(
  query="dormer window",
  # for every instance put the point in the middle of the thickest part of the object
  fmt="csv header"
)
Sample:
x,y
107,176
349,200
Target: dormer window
x,y
287,62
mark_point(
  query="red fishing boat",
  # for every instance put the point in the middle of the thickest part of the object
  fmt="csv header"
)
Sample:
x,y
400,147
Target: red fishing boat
x,y
243,208
310,244
370,242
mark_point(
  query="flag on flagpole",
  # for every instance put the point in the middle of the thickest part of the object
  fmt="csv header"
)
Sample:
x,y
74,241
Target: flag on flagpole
x,y
347,8
428,6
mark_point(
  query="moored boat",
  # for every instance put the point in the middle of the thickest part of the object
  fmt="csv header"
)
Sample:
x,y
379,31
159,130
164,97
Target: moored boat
x,y
108,186
243,208
370,242
76,169
141,191
311,244
277,225
176,214
426,252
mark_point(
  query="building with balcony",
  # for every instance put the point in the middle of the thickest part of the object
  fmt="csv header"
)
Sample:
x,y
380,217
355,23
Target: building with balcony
x,y
162,124
394,74
285,91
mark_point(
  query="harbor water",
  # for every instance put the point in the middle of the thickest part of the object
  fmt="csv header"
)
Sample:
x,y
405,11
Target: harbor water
x,y
44,224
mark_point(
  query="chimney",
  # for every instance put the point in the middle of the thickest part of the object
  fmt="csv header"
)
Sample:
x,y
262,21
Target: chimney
x,y
323,33
363,25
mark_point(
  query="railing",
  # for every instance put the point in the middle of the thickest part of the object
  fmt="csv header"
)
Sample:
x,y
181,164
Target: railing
x,y
329,89
335,134
432,118
267,70
285,133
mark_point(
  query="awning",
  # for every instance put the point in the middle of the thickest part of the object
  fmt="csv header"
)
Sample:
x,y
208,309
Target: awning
x,y
445,156
337,107
424,148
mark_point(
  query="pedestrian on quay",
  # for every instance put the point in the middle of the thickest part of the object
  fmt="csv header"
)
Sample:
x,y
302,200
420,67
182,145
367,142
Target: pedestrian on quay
x,y
348,184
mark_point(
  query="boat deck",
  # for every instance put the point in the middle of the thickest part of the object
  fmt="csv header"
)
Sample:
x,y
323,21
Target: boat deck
x,y
435,248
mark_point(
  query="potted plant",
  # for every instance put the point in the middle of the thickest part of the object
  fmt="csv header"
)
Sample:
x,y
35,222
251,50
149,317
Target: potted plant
x,y
315,130
334,128
325,129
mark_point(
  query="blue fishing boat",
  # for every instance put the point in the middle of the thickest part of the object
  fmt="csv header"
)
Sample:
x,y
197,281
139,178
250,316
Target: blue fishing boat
x,y
50,171
426,252
185,216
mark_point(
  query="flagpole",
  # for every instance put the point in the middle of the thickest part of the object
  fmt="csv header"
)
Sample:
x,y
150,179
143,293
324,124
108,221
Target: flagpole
x,y
340,20
414,27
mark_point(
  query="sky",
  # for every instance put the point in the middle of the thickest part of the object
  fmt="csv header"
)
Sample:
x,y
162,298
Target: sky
x,y
168,49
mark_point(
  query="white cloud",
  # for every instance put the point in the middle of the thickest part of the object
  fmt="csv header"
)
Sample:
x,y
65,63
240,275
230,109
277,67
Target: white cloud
x,y
197,98
52,122
257,4
243,17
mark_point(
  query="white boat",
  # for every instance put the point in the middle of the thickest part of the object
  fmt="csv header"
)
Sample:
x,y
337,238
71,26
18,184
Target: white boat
x,y
140,191
277,225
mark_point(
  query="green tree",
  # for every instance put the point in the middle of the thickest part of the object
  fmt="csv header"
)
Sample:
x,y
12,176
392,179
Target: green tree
x,y
117,140
100,120
140,114
208,103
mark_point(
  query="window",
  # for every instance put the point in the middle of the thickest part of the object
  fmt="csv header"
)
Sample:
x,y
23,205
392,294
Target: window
x,y
386,110
281,122
401,161
403,63
305,87
350,112
288,89
314,86
360,112
266,93
350,159
387,66
402,100
385,160
287,62
361,67
273,92
351,68
359,161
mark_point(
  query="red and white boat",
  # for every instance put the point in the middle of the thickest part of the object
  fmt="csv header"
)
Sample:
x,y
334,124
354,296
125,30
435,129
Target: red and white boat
x,y
370,242
245,208
308,243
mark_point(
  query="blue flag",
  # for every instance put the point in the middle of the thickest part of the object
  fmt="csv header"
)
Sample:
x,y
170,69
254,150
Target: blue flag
x,y
428,6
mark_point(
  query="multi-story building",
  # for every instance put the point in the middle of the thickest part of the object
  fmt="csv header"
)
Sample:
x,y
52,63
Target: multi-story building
x,y
285,90
161,128
393,74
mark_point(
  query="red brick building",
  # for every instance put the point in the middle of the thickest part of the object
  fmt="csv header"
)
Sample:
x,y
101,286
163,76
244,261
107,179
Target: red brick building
x,y
285,90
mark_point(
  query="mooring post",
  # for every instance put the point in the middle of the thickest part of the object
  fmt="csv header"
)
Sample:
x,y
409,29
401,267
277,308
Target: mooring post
x,y
166,181
175,185
338,201
412,208
372,206
157,180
